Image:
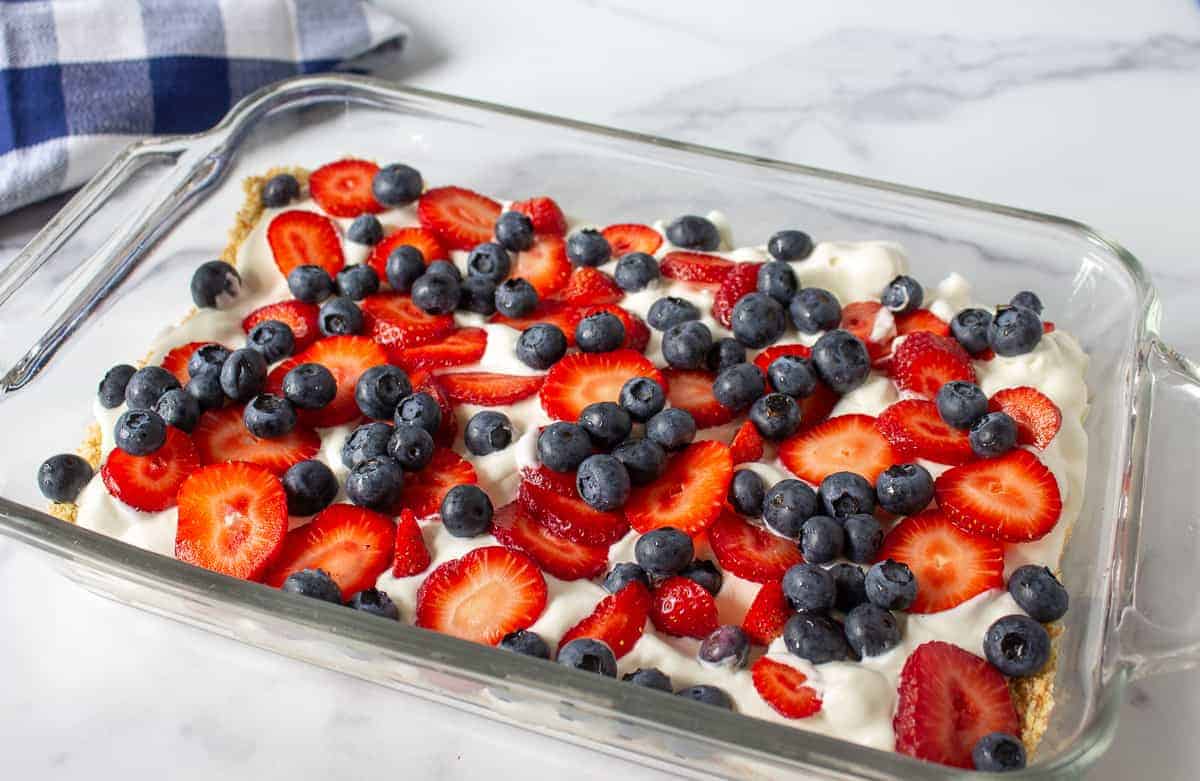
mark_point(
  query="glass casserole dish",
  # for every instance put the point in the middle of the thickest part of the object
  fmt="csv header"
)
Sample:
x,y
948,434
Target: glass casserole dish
x,y
80,296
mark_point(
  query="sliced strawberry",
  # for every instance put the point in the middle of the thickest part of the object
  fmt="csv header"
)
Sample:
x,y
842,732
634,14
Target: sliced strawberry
x,y
570,517
637,334
921,320
411,556
783,688
459,348
1038,419
764,359
1013,497
516,528
557,482
489,388
747,444
565,316
483,596
924,362
618,621
393,320
696,267
582,378
950,565
631,237
431,249
847,443
221,435
303,238
691,390
544,265
176,360
353,544
424,489
544,213
232,519
858,317
343,188
916,430
297,315
948,700
683,608
588,286
1047,327
689,494
767,614
149,483
460,218
740,280
444,436
749,551
815,408
346,357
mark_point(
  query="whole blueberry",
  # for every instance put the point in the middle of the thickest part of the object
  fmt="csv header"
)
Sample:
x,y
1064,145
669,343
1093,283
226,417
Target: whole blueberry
x,y
340,316
790,245
411,446
993,435
903,295
961,404
644,460
309,386
593,656
366,229
397,184
622,574
366,441
864,535
793,375
562,446
822,539
904,489
60,478
375,483
871,630
704,573
280,190
436,294
970,327
851,586
1017,646
515,297
179,408
663,552
273,339
112,385
814,309
998,752
841,360
526,643
724,353
673,428
149,382
541,345
139,432
1038,593
310,284
207,359
651,678
405,265
777,280
489,261
268,416
739,386
686,345
446,269
215,284
1029,300
776,416
514,231
706,694
477,295
846,493
602,482
816,638
487,432
642,398
747,492
606,423
380,389
757,320
670,311
726,646
315,583
891,585
601,332
419,409
635,271
206,390
588,247
244,374
310,487
1015,331
374,602
466,511
693,232
357,282
809,587
787,505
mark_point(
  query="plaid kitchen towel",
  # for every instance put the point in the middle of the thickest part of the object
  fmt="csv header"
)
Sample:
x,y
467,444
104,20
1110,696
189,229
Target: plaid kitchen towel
x,y
80,79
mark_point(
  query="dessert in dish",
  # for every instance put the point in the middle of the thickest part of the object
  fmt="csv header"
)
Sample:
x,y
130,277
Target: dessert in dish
x,y
785,479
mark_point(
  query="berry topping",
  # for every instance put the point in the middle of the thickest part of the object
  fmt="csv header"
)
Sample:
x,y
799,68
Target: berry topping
x,y
60,478
488,388
749,551
150,482
544,265
904,489
487,432
1038,419
515,297
693,232
583,378
346,358
776,416
466,511
970,327
564,514
636,271
215,284
1038,593
300,317
672,429
1013,497
847,443
425,489
664,552
822,539
859,318
111,390
458,217
627,238
314,584
740,280
783,687
681,607
1017,646
544,213
303,238
692,390
526,643
695,267
424,242
589,656
394,320
998,752
483,596
903,295
842,361
221,435
1015,331
921,320
374,602
600,332
464,346
992,435
757,320
352,544
618,621
915,430
767,614
397,184
817,638
961,403
176,361
726,647
589,287
924,362
747,444
343,188
516,528
790,245
514,231
280,190
690,493
311,487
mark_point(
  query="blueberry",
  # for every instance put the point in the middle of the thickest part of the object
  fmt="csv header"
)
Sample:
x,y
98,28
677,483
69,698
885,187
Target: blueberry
x,y
563,446
644,460
903,295
444,268
179,408
846,493
315,583
651,678
380,389
793,375
726,646
339,316
397,184
419,409
670,311
814,310
139,432
310,487
542,345
1029,300
777,280
376,603
244,374
642,398
207,359
477,295
112,385
1015,331
268,416
601,332
375,483
366,229
526,643
993,435
622,574
776,416
851,586
588,247
1038,593
970,327
602,482
747,492
606,423
739,386
961,403
514,231
998,752
516,297
693,232
206,390
686,345
593,656
405,265
311,284
864,535
280,190
904,489
871,630
822,539
664,552
411,446
704,573
487,432
841,360
358,281
707,695
1017,646
273,339
60,478
436,294
489,261
215,284
367,441
790,245
757,320
724,353
809,587
149,382
787,505
817,638
891,585
673,428
309,386
636,271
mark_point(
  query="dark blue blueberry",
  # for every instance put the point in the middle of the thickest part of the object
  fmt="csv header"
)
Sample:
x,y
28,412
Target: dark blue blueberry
x,y
993,435
891,585
366,229
340,316
704,573
514,231
747,492
793,375
809,587
776,416
693,232
268,416
787,505
601,332
542,345
814,310
1038,593
903,295
397,184
179,408
375,483
777,280
488,431
707,695
664,552
380,389
822,539
562,446
215,284
376,603
635,271
904,489
1015,331
436,294
139,432
206,390
1029,300
724,353
366,441
757,320
357,282
673,428
489,261
112,385
1017,646
739,386
60,478
588,247
315,583
790,245
603,483
419,409
846,493
817,638
686,345
726,646
841,360
311,284
405,265
273,339
477,295
642,398
622,574
446,269
411,446
280,190
871,630
592,656
970,327
149,382
526,643
644,460
651,678
309,386
515,297
207,359
851,586
606,423
961,403
670,311
998,752
310,487
864,535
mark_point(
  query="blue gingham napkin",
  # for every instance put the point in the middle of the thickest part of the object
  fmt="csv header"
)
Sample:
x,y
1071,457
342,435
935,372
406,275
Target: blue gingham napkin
x,y
80,79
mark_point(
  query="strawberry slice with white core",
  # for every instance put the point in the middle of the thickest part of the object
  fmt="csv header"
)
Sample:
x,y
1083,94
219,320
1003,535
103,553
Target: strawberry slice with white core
x,y
588,286
458,217
698,267
691,390
176,360
425,489
411,555
860,318
150,483
916,430
749,551
352,544
483,596
296,315
424,241
343,188
303,238
618,621
741,280
489,388
1013,498
784,688
847,443
570,517
544,265
544,213
631,237
393,320
689,494
767,614
583,378
683,608
924,362
516,528
747,444
221,435
560,313
444,436
1038,419
346,358
462,347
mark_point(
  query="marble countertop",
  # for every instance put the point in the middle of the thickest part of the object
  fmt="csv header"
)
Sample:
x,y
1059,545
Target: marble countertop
x,y
1081,108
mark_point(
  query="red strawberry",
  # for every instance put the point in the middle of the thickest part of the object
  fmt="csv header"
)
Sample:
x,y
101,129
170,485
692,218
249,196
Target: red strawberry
x,y
424,489
767,614
630,237
1047,327
750,552
691,390
516,528
689,494
815,409
847,443
393,320
950,565
916,430
1013,497
431,249
921,320
683,608
149,483
565,316
176,360
297,315
343,188
489,388
222,436
582,378
570,517
1038,419
483,596
232,519
783,687
458,217
618,621
544,265
924,362
544,213
747,444
637,334
346,357
741,279
948,700
696,267
459,348
302,238
764,359
353,544
858,317
557,482
411,556
444,436
590,287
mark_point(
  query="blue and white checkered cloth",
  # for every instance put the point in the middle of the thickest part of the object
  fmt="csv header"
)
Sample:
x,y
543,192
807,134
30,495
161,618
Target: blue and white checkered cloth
x,y
80,79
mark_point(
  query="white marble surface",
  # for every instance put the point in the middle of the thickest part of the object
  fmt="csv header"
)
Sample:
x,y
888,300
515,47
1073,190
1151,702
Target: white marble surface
x,y
1083,108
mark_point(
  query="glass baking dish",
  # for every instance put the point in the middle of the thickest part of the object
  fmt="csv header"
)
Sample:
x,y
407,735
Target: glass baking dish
x,y
92,288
